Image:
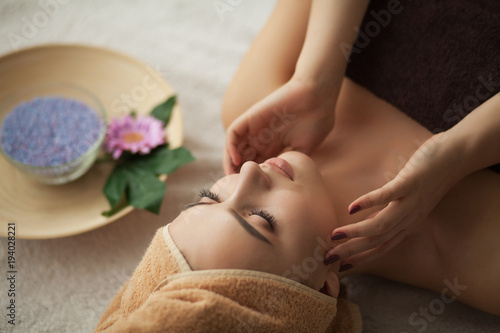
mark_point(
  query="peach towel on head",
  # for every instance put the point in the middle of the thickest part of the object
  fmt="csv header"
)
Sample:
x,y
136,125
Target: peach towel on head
x,y
165,295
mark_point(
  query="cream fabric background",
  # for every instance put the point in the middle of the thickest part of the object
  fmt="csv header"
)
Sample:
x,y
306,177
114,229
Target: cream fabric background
x,y
63,285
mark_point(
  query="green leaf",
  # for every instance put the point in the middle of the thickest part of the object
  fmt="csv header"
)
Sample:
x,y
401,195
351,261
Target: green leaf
x,y
144,189
119,206
115,186
163,111
135,180
166,161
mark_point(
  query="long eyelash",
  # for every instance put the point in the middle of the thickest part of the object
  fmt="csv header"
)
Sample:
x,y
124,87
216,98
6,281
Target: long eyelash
x,y
266,216
205,193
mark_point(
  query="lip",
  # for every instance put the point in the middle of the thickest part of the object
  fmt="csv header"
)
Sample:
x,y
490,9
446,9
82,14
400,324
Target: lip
x,y
281,166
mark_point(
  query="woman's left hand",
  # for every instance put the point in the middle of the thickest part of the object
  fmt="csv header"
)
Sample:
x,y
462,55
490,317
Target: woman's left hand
x,y
408,199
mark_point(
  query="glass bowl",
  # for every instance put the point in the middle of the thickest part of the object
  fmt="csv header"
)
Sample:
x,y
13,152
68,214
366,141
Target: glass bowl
x,y
62,173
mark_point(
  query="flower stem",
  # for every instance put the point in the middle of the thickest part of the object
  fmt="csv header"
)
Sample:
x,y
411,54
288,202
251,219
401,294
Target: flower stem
x,y
104,160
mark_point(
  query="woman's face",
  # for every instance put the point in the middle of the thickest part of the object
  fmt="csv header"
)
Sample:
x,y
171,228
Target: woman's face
x,y
274,217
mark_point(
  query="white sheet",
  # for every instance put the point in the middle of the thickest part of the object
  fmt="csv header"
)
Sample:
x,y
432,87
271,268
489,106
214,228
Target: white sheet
x,y
65,284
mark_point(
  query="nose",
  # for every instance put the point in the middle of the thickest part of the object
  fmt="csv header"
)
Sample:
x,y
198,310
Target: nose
x,y
252,180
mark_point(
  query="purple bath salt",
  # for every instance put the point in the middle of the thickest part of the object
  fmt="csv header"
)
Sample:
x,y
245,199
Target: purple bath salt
x,y
48,131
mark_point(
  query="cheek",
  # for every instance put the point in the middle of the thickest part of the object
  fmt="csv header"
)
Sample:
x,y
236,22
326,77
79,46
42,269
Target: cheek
x,y
225,186
320,210
305,253
307,225
309,210
299,225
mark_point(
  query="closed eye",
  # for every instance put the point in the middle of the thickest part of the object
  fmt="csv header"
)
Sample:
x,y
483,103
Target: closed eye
x,y
270,219
266,216
244,223
205,193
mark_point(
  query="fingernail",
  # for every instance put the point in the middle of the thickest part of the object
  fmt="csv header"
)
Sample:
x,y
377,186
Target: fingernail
x,y
331,259
345,267
355,209
338,236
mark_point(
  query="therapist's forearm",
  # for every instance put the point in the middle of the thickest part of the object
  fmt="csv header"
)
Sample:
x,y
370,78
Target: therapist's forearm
x,y
476,138
332,23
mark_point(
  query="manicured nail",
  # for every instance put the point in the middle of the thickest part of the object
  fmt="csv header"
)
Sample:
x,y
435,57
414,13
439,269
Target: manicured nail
x,y
355,209
331,259
345,267
338,236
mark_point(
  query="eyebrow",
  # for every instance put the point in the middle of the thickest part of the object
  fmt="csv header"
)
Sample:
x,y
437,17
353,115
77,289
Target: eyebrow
x,y
244,223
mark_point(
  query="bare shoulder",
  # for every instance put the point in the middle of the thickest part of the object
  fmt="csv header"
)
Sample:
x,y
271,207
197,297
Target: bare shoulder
x,y
466,230
456,251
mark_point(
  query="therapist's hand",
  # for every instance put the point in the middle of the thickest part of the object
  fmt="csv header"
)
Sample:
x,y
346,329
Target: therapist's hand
x,y
296,116
405,202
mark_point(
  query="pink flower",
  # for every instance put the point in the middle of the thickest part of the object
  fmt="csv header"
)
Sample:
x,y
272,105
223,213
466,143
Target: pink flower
x,y
135,135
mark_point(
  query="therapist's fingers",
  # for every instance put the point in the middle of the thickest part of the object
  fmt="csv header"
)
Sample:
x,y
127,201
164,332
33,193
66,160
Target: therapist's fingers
x,y
236,144
359,245
384,221
391,191
227,163
372,254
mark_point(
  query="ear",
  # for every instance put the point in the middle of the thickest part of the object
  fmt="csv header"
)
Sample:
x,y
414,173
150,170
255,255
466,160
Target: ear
x,y
331,285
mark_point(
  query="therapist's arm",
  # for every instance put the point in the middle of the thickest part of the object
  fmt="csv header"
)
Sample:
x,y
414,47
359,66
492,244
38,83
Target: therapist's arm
x,y
331,31
308,98
477,137
443,160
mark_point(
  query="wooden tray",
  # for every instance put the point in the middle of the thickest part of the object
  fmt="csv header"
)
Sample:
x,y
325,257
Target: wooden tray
x,y
121,83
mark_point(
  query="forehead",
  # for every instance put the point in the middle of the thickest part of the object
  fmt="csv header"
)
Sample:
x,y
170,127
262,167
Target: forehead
x,y
224,241
226,184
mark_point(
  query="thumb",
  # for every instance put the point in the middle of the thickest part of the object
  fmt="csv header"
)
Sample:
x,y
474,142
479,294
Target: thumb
x,y
227,163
